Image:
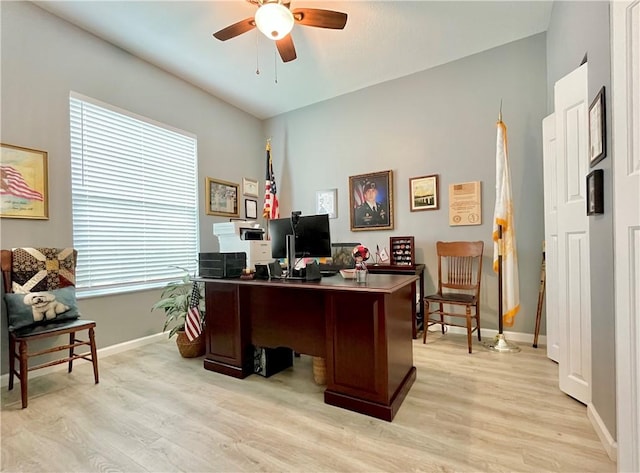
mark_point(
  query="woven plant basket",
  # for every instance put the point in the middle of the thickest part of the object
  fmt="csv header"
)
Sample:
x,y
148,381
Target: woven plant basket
x,y
190,349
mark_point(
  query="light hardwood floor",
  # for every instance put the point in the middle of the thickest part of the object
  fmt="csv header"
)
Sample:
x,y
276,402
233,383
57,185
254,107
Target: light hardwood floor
x,y
154,411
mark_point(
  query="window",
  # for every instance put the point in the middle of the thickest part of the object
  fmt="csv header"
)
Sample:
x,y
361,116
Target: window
x,y
134,194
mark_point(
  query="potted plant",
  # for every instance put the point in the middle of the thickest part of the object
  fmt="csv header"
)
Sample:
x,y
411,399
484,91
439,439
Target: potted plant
x,y
174,301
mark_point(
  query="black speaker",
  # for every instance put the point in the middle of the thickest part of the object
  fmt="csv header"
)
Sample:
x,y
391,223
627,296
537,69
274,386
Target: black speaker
x,y
312,272
262,271
275,270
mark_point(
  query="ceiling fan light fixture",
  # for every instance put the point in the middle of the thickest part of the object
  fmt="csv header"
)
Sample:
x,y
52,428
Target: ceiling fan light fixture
x,y
274,20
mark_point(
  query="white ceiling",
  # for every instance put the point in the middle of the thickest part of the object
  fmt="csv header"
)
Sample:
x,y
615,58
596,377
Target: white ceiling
x,y
382,40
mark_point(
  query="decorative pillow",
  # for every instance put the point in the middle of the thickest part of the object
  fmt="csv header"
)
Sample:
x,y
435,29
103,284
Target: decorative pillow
x,y
42,269
41,307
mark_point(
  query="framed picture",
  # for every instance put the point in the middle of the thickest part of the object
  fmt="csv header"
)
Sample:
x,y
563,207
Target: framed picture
x,y
250,187
24,183
251,209
222,198
595,197
423,193
327,202
597,131
371,201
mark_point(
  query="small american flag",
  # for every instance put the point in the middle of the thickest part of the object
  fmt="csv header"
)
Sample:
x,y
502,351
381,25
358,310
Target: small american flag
x,y
193,326
13,183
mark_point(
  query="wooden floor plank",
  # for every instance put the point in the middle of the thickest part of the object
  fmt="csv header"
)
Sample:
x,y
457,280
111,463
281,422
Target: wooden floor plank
x,y
154,411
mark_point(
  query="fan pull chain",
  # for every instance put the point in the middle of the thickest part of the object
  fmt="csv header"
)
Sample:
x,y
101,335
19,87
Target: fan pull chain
x,y
275,65
257,56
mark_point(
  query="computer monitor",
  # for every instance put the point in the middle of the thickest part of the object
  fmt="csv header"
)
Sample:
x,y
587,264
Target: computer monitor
x,y
312,236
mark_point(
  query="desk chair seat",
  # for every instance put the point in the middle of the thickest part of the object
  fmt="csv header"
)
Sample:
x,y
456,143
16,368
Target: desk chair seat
x,y
44,273
459,273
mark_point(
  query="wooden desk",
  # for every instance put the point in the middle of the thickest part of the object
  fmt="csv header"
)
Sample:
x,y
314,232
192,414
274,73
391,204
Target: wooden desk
x,y
362,330
418,270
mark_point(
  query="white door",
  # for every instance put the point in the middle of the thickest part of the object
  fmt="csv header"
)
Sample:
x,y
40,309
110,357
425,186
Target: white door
x,y
549,160
625,16
574,298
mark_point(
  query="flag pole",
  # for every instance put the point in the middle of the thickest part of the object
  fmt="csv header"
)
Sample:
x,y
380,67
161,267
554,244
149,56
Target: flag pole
x,y
500,343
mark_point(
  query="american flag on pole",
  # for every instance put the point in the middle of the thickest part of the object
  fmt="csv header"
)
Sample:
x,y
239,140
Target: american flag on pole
x,y
271,209
193,325
503,215
13,183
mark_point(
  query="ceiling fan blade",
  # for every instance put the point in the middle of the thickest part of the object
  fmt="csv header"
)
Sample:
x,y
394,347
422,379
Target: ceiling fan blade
x,y
320,18
286,48
236,29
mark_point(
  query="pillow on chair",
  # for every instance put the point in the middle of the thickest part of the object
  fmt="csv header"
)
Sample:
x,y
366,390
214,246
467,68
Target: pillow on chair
x,y
42,269
41,307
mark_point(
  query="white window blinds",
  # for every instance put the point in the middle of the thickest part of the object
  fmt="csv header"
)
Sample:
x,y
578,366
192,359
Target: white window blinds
x,y
135,199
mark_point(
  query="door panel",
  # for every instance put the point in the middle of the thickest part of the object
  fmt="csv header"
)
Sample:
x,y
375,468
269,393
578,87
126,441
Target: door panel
x,y
574,280
625,62
551,235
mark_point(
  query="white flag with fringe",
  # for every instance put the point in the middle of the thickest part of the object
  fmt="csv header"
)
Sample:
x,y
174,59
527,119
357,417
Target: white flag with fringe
x,y
503,215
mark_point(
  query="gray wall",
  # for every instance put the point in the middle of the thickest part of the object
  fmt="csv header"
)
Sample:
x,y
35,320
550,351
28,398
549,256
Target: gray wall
x,y
441,121
43,58
576,29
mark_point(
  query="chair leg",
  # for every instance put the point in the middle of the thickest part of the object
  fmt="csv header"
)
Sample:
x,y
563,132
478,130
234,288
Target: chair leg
x,y
12,359
478,322
72,340
441,319
24,370
425,322
94,356
468,314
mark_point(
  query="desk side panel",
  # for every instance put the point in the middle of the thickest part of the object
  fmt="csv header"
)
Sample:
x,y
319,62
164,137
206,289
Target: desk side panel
x,y
226,333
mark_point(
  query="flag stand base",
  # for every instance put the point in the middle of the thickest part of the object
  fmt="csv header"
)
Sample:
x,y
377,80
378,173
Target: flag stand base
x,y
501,345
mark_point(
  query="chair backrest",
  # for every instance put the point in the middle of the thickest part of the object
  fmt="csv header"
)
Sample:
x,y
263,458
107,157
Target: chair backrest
x,y
459,266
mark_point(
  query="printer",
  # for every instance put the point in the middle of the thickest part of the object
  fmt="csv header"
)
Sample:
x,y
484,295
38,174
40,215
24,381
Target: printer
x,y
244,236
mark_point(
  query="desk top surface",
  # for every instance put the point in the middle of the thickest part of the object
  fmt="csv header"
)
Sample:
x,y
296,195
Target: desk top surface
x,y
385,283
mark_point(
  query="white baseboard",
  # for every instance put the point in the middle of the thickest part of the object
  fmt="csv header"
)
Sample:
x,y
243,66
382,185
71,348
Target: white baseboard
x,y
610,445
488,334
102,352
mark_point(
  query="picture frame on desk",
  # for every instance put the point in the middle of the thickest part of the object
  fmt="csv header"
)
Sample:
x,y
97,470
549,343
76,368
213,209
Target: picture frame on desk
x,y
24,182
378,187
221,198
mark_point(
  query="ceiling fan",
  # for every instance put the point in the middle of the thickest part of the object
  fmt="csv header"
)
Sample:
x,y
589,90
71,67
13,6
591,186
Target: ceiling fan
x,y
275,20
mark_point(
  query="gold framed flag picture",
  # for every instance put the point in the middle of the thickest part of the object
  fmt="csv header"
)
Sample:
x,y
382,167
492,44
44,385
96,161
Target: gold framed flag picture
x,y
23,188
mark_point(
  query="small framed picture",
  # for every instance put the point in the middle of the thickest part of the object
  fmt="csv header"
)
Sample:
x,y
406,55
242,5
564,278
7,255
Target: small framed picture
x,y
222,198
250,187
251,209
597,130
327,202
595,197
24,183
423,193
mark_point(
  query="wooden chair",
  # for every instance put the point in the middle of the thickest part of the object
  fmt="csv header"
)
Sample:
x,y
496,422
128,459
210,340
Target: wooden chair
x,y
459,272
20,338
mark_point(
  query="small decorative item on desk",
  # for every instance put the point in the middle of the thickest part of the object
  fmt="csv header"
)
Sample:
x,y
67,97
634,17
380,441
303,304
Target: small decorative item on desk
x,y
360,255
247,274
